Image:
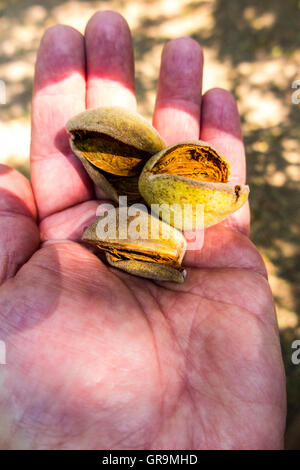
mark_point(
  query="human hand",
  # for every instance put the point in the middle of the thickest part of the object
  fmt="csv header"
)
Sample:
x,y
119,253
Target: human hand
x,y
98,359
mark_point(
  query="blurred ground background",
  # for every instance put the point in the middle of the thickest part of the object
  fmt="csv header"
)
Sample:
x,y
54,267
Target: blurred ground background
x,y
250,48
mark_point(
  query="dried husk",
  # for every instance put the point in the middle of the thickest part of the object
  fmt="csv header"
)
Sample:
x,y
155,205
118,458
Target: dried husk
x,y
157,258
113,144
191,173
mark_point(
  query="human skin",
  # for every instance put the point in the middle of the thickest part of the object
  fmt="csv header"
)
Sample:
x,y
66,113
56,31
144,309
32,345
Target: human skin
x,y
96,358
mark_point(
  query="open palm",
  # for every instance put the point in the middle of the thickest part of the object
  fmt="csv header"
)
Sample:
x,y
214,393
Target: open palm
x,y
99,359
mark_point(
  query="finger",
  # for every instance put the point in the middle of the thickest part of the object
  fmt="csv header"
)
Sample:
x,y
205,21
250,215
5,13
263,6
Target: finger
x,y
110,61
177,108
19,234
58,178
220,126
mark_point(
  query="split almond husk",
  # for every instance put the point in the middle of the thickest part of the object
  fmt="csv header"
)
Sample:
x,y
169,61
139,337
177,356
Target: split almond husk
x,y
182,178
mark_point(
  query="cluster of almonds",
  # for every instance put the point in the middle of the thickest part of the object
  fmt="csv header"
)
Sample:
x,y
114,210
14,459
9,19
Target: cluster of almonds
x,y
125,156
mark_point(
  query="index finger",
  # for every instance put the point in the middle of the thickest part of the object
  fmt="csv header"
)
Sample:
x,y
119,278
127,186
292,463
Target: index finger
x,y
58,178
